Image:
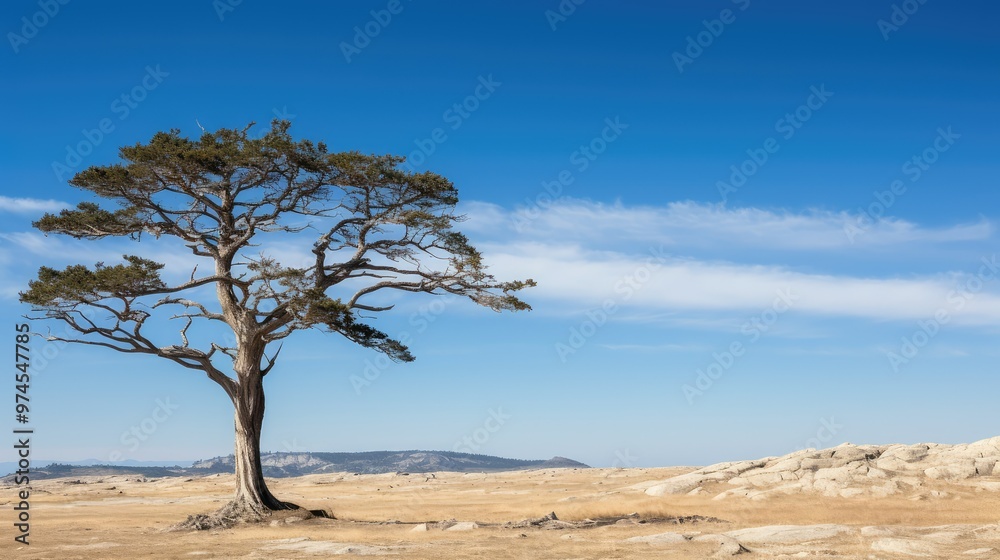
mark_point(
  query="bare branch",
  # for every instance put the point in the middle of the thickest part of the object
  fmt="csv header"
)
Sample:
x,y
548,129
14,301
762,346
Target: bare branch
x,y
204,312
270,361
184,331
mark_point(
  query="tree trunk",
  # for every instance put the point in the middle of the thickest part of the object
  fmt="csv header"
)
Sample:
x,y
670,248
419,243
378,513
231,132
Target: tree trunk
x,y
252,495
252,501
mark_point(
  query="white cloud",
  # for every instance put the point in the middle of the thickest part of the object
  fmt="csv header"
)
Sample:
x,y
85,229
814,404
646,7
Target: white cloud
x,y
30,205
691,224
586,279
584,253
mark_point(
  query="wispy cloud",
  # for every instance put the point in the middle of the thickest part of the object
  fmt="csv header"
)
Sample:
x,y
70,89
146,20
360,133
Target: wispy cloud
x,y
586,279
30,205
585,253
691,224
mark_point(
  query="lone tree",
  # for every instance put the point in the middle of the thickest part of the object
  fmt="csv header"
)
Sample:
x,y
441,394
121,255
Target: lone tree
x,y
375,226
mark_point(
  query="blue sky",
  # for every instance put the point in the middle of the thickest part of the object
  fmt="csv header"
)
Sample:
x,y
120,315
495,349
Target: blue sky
x,y
741,214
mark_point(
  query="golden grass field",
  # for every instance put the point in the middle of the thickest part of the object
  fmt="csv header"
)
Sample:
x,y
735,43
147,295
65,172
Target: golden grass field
x,y
114,518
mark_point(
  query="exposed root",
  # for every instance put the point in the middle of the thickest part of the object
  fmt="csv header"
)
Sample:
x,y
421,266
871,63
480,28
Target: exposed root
x,y
242,512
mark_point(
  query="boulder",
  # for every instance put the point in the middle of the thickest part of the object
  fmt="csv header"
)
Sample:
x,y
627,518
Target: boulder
x,y
728,546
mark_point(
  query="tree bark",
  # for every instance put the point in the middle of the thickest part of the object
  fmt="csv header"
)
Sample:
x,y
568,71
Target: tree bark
x,y
252,494
253,500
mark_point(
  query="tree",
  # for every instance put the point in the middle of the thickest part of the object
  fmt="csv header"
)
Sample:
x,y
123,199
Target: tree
x,y
377,228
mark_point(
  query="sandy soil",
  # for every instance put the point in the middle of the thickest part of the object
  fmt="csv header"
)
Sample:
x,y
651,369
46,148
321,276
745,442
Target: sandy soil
x,y
120,517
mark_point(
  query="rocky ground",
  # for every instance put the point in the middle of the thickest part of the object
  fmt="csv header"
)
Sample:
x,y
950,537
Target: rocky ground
x,y
846,471
865,501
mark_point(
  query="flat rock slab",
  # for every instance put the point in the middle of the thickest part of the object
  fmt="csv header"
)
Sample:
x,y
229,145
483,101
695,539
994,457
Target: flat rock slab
x,y
658,539
908,547
309,546
779,534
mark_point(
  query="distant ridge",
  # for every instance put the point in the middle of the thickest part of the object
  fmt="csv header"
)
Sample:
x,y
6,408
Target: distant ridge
x,y
281,465
376,462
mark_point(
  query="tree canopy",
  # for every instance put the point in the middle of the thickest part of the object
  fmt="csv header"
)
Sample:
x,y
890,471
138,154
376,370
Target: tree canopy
x,y
377,228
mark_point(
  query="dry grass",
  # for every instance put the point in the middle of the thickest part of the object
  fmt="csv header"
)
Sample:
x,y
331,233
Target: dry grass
x,y
117,519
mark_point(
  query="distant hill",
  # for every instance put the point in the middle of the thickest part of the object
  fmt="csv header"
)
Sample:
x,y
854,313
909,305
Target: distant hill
x,y
375,462
10,467
281,465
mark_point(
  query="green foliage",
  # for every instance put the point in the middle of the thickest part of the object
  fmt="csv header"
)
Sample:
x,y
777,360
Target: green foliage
x,y
89,221
338,317
79,284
